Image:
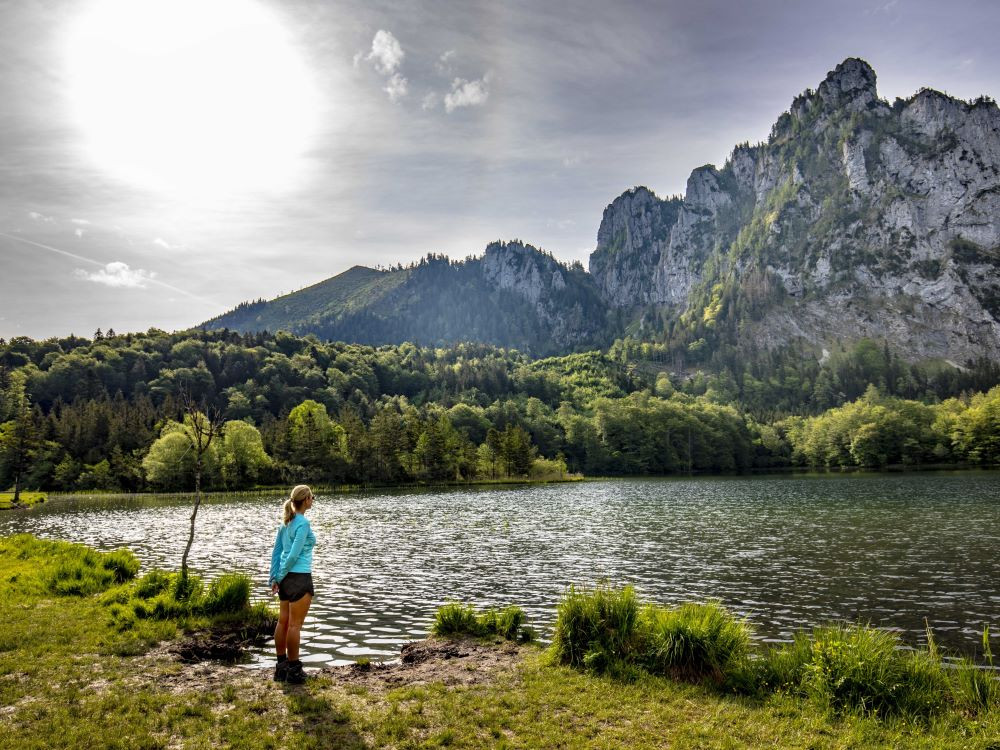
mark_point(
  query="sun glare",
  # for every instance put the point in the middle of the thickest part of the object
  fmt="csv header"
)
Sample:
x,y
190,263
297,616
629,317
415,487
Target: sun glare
x,y
190,96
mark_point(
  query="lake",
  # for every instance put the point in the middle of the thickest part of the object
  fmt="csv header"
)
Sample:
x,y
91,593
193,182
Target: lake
x,y
787,551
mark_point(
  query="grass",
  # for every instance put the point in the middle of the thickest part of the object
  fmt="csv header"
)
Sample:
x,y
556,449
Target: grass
x,y
27,499
455,618
65,684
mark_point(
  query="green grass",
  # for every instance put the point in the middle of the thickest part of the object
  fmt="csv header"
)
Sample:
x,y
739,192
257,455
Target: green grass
x,y
455,618
694,641
27,498
65,683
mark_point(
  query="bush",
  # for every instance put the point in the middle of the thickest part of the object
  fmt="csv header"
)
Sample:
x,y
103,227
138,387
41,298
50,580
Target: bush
x,y
783,668
596,628
694,641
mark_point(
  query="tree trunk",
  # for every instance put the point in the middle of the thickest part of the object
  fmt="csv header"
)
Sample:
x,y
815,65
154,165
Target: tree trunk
x,y
17,488
194,515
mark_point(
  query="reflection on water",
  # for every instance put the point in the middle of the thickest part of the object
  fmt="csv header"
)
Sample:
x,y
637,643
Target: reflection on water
x,y
786,551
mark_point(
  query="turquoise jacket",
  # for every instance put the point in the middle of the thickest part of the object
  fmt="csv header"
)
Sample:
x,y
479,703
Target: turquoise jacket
x,y
293,549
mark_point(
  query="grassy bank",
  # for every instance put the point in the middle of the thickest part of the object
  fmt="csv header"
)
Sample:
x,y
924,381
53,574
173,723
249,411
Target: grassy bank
x,y
26,499
74,673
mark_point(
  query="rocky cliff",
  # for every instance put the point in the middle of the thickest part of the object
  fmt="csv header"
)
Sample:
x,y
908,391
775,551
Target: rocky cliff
x,y
856,218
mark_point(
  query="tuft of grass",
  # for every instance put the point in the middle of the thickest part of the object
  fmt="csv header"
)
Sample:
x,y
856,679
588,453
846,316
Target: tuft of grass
x,y
81,571
455,618
858,667
595,628
228,593
694,641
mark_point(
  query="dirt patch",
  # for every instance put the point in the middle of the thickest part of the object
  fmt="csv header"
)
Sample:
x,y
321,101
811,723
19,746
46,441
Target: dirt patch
x,y
451,662
227,644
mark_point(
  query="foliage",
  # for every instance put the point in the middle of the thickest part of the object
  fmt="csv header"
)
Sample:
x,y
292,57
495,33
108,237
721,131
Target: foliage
x,y
107,414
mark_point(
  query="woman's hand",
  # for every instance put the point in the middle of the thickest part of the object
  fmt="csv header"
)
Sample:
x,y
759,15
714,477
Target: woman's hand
x,y
274,588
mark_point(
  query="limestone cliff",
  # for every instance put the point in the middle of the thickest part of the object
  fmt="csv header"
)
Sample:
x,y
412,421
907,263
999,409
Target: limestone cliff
x,y
869,218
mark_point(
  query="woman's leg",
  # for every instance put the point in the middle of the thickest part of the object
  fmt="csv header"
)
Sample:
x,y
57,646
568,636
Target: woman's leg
x,y
281,631
297,614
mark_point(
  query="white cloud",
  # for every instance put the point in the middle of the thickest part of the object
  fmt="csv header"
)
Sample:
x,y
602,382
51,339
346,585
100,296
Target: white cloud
x,y
396,87
467,93
117,274
430,101
35,216
444,62
387,53
162,243
80,222
78,232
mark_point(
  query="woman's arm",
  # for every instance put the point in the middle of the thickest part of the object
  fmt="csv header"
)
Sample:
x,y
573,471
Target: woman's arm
x,y
273,579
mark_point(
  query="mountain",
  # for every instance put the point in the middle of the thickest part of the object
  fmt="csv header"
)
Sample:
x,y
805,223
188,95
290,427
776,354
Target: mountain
x,y
857,218
514,295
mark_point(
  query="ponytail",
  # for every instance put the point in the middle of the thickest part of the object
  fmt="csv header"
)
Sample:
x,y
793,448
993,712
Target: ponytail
x,y
300,493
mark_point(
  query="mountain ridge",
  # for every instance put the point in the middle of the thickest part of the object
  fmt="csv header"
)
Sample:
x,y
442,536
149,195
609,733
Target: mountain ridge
x,y
856,218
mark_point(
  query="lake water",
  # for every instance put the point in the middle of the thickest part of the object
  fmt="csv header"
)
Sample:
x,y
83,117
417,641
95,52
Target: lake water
x,y
786,551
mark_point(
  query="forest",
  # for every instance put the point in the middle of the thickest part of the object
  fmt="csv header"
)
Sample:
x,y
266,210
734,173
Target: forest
x,y
115,412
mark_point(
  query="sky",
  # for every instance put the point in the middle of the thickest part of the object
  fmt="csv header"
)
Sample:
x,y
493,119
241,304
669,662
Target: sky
x,y
163,160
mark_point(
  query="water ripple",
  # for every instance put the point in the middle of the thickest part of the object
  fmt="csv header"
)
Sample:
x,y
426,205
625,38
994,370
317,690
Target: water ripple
x,y
788,552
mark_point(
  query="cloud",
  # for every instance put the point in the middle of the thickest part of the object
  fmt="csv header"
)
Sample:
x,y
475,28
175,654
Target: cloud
x,y
444,62
162,243
395,87
430,101
467,93
35,216
78,232
387,53
117,274
80,222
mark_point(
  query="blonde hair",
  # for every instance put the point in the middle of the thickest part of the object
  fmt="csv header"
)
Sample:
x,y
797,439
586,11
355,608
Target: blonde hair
x,y
295,501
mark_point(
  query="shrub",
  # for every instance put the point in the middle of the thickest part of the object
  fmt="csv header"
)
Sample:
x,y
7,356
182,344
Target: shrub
x,y
694,641
596,628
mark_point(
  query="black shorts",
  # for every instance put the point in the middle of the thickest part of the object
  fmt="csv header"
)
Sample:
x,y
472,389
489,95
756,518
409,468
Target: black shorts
x,y
294,586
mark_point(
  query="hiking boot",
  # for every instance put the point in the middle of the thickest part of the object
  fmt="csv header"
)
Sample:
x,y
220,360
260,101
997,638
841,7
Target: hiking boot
x,y
281,671
295,674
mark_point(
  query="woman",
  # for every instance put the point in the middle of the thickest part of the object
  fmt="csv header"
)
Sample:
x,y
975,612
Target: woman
x,y
291,580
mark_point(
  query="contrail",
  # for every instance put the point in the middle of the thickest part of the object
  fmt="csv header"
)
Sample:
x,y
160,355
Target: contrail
x,y
74,256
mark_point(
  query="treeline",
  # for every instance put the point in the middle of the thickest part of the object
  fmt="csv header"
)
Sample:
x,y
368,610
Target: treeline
x,y
109,413
770,384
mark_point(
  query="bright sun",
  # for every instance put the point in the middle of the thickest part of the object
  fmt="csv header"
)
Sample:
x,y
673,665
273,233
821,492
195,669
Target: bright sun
x,y
190,96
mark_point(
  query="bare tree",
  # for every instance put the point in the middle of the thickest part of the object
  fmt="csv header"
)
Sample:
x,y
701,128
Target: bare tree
x,y
203,426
